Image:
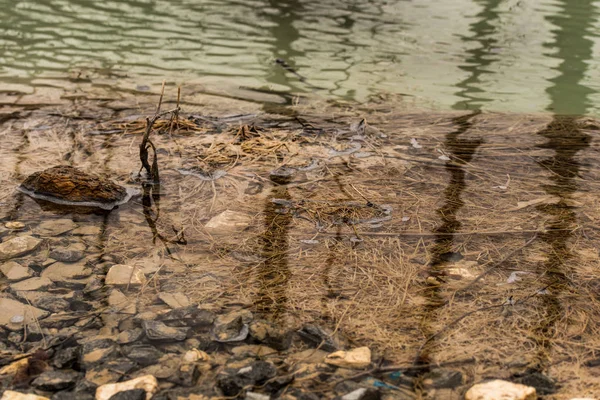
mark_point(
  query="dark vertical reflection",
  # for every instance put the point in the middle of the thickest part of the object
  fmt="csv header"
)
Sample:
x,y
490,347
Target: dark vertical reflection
x,y
151,209
274,272
478,58
564,137
284,34
461,152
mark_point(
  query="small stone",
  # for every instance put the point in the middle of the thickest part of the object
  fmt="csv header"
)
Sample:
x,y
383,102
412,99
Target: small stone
x,y
500,390
130,336
65,357
187,375
191,316
362,394
55,227
255,373
442,378
271,335
124,275
32,284
193,356
256,396
67,254
61,272
12,395
53,381
355,358
88,230
174,300
12,310
14,225
120,303
133,394
18,246
156,330
110,371
143,354
322,338
15,272
228,222
97,351
231,327
253,350
147,382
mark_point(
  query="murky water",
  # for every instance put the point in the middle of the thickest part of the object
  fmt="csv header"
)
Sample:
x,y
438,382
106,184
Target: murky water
x,y
519,56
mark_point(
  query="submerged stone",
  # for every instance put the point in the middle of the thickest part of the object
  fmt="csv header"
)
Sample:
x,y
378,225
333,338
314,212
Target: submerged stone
x,y
68,185
18,246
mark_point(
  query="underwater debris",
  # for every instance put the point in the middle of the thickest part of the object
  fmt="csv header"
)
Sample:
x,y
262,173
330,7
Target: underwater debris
x,y
66,185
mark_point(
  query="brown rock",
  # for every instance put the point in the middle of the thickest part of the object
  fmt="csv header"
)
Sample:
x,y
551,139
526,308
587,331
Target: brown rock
x,y
71,184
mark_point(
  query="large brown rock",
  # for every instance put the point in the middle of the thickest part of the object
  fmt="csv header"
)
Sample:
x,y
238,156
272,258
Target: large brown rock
x,y
71,184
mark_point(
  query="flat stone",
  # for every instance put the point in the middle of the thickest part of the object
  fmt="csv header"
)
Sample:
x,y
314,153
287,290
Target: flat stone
x,y
121,303
191,316
15,272
156,330
18,246
255,373
71,184
133,394
143,354
55,380
147,382
130,336
68,254
110,371
51,303
253,350
12,395
124,275
228,222
54,227
88,230
31,284
97,351
14,314
175,300
60,272
500,390
356,358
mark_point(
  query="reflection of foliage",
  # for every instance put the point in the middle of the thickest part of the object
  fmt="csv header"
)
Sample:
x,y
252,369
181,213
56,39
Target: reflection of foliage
x,y
151,203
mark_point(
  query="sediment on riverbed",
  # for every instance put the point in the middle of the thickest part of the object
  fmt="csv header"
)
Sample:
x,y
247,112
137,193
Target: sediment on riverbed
x,y
454,246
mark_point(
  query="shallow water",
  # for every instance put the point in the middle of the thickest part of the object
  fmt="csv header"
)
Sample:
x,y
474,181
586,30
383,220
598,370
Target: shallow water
x,y
462,234
518,56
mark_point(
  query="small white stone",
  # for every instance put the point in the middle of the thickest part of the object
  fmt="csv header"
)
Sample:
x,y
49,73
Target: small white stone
x,y
355,358
500,390
125,275
354,395
146,382
228,222
12,395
